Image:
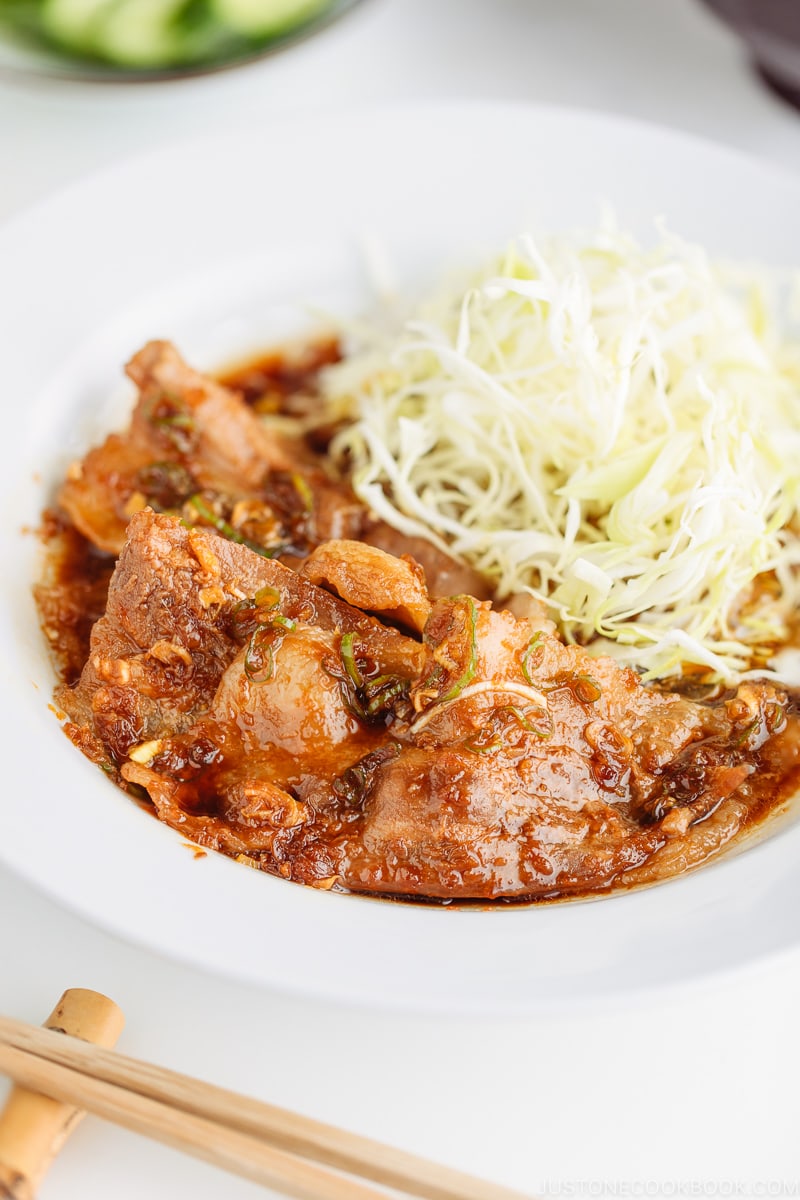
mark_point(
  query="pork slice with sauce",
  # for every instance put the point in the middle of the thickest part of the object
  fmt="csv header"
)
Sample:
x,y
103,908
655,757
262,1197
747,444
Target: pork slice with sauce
x,y
187,433
445,575
177,613
215,683
371,579
531,769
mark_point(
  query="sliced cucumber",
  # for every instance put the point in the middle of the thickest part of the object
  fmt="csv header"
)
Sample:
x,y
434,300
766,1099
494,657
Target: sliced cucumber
x,y
74,22
141,33
266,18
152,34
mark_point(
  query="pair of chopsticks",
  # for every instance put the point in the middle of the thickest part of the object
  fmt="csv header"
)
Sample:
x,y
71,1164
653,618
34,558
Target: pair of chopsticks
x,y
59,1076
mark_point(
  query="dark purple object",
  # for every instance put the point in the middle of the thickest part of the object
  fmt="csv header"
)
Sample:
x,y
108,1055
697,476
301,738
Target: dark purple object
x,y
771,29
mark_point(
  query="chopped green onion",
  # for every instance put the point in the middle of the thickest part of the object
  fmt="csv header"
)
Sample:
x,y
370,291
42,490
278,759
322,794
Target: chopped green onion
x,y
165,484
748,731
381,699
304,492
259,657
527,725
534,647
774,716
483,687
347,652
350,784
477,744
267,597
586,689
366,698
261,612
472,665
176,421
223,527
469,672
353,783
137,791
169,414
242,614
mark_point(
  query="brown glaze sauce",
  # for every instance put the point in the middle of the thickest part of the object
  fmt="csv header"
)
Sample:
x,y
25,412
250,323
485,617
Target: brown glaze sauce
x,y
282,381
72,593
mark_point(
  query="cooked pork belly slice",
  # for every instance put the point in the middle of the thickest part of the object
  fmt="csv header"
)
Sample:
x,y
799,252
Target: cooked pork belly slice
x,y
237,829
224,434
546,771
452,823
169,632
526,607
97,492
300,708
254,821
476,663
483,819
183,421
373,580
445,576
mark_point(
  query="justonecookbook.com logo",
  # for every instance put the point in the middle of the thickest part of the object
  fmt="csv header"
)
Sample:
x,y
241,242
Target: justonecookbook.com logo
x,y
668,1189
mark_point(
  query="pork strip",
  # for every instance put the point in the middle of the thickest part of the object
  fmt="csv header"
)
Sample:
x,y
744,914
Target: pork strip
x,y
159,652
181,419
549,772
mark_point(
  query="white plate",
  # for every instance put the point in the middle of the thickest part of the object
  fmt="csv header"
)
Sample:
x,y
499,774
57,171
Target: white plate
x,y
219,244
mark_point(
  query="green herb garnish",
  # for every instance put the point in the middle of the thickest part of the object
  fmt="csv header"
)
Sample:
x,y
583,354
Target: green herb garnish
x,y
347,652
169,414
523,721
165,484
354,783
366,695
469,673
483,742
304,492
534,647
439,649
224,528
586,689
259,657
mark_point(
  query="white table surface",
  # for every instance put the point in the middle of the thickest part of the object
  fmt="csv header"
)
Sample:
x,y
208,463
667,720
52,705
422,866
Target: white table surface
x,y
692,1095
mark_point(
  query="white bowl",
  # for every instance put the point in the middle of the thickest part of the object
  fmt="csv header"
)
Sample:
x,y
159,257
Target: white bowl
x,y
221,245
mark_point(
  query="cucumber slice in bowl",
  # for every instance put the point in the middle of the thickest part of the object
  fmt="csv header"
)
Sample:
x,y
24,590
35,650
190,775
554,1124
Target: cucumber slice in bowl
x,y
137,35
143,33
266,18
74,23
147,38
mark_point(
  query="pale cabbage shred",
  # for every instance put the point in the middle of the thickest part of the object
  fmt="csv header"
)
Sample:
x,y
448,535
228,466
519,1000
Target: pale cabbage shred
x,y
614,429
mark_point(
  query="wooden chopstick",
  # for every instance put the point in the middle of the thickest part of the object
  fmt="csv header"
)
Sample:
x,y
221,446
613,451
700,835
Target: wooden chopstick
x,y
33,1127
280,1149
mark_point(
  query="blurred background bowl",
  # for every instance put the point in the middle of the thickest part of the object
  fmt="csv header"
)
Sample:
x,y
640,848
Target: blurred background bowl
x,y
771,31
151,39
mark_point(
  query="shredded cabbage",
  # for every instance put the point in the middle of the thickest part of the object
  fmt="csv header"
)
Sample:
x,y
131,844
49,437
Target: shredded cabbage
x,y
612,428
